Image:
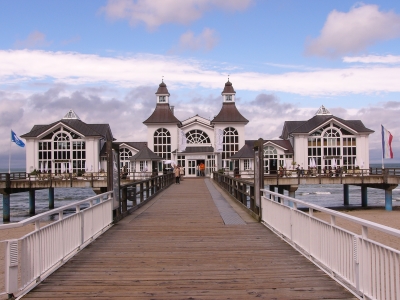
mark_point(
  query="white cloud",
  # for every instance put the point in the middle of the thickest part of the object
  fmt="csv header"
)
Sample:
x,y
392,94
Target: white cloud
x,y
205,41
36,39
354,31
373,59
27,66
154,13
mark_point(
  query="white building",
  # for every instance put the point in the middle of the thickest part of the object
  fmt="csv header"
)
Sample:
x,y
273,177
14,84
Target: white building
x,y
196,140
70,144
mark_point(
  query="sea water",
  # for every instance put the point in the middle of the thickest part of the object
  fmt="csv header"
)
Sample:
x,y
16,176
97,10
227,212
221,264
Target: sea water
x,y
326,195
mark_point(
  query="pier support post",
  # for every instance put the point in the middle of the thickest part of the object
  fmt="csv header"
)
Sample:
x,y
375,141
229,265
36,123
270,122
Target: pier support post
x,y
388,199
31,202
271,189
280,191
292,193
6,207
364,196
346,194
51,198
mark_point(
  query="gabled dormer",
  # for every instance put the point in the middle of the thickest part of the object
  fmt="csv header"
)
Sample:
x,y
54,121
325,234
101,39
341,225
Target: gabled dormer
x,y
228,94
162,93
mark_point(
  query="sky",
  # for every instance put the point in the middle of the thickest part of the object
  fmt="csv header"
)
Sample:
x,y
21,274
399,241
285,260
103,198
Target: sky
x,y
105,59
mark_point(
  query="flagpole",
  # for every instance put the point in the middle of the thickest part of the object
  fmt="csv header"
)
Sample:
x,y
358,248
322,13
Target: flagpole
x,y
383,153
9,157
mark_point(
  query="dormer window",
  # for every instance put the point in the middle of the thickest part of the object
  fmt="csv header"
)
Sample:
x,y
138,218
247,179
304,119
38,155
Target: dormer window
x,y
228,98
161,99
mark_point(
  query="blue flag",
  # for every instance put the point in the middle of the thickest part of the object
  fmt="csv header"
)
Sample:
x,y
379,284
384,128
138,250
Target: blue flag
x,y
16,139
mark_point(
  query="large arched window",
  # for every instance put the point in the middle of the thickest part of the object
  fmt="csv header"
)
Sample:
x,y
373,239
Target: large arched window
x,y
332,145
230,145
124,155
162,143
62,150
197,136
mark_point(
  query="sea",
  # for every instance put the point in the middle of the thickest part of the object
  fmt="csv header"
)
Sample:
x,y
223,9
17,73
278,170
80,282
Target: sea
x,y
322,195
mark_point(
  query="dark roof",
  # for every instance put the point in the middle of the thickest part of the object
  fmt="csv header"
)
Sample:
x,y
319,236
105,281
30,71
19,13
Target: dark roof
x,y
198,149
145,154
316,121
162,114
86,130
136,145
282,143
228,88
229,113
247,151
162,89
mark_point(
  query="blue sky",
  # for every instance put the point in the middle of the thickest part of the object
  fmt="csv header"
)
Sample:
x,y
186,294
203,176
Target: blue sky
x,y
105,59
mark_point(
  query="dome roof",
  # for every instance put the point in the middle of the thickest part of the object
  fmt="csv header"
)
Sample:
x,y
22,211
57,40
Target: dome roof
x,y
162,89
228,89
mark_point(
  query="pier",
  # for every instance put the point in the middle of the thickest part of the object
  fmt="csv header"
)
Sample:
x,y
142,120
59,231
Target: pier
x,y
385,179
189,242
198,239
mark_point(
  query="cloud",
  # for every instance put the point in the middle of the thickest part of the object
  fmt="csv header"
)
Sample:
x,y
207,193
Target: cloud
x,y
154,13
355,31
205,41
373,59
71,68
36,39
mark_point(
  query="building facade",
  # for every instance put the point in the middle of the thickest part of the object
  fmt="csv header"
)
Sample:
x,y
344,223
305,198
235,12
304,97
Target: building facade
x,y
219,143
68,145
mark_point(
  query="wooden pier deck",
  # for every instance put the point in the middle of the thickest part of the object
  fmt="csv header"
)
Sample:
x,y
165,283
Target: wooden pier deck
x,y
179,247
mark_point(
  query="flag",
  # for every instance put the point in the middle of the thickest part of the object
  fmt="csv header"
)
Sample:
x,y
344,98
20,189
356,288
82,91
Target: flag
x,y
182,140
387,139
16,139
219,145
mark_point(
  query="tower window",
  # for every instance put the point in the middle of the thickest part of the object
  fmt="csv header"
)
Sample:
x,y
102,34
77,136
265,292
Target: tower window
x,y
161,99
228,98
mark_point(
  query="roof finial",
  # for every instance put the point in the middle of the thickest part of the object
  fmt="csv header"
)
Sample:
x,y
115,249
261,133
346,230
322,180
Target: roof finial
x,y
162,78
228,77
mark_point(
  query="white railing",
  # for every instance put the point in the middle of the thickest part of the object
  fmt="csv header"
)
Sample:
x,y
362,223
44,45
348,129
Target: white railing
x,y
33,257
369,269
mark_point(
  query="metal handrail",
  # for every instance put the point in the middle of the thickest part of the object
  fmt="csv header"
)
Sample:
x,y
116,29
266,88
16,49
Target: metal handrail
x,y
355,261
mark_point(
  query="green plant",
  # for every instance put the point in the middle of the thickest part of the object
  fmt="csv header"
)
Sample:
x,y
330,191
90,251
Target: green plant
x,y
221,171
34,172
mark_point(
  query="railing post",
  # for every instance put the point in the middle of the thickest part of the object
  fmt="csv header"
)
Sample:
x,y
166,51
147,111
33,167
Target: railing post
x,y
141,192
124,199
11,270
147,189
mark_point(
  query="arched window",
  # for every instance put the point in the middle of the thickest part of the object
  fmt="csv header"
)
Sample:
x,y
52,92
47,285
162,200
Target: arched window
x,y
124,155
62,150
270,159
230,145
197,136
332,145
162,143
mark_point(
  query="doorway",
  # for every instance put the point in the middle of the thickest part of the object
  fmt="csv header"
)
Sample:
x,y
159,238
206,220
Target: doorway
x,y
191,168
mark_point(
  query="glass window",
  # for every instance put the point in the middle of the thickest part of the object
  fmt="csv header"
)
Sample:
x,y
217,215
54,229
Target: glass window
x,y
230,144
163,146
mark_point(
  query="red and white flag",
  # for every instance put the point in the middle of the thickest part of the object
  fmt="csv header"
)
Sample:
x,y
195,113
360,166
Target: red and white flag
x,y
387,139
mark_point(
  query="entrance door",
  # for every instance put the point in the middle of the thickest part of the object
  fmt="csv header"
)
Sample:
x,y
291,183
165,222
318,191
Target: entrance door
x,y
191,168
273,166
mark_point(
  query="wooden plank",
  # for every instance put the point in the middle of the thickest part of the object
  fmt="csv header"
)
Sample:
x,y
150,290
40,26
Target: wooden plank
x,y
177,247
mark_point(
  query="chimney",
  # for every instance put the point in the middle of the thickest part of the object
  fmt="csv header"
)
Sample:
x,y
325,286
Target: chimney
x,y
172,109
